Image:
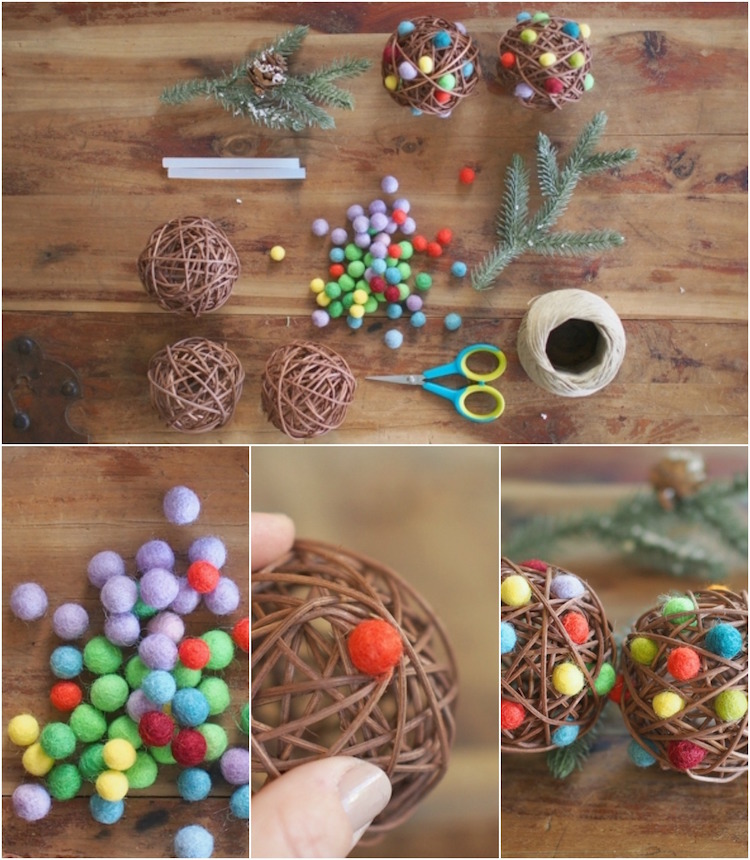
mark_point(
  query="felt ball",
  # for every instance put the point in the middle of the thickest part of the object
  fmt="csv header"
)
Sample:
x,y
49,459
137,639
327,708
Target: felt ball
x,y
676,605
277,253
70,621
245,719
109,692
239,802
154,553
187,598
181,506
512,714
466,175
523,91
101,657
65,696
158,651
208,548
194,784
87,723
23,730
563,736
319,227
605,680
118,754
666,704
508,637
576,626
188,747
143,772
31,802
163,755
103,566
566,586
91,762
338,236
640,756
241,635
615,694
459,269
375,646
106,811
168,623
66,662
724,641
58,740
111,785
138,704
683,663
389,184
685,755
186,677
221,647
158,587
36,761
28,601
122,628
515,590
452,322
125,728
135,671
320,318
143,611
64,781
194,653
156,729
554,86
418,319
159,686
193,841
190,707
643,650
119,594
731,705
203,576
216,692
567,679
235,766
216,740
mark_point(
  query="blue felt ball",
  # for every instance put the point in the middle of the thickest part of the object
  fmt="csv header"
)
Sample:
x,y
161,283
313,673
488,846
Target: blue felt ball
x,y
336,255
393,275
508,637
354,322
239,802
193,783
418,319
724,641
394,311
467,70
563,736
193,841
571,29
523,16
405,27
639,756
459,269
190,707
441,39
106,811
452,322
393,338
66,662
159,687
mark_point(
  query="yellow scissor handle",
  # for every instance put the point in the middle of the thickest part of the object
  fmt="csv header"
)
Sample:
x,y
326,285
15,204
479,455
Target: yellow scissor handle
x,y
462,361
465,393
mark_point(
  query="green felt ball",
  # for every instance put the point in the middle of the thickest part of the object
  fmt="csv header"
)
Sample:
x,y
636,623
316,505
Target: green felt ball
x,y
91,763
679,604
185,677
125,729
87,723
216,740
135,671
58,740
245,719
643,650
731,705
605,680
109,692
217,694
143,773
101,657
143,610
64,781
163,755
221,646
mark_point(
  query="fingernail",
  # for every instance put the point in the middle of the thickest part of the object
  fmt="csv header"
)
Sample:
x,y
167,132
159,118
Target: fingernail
x,y
364,791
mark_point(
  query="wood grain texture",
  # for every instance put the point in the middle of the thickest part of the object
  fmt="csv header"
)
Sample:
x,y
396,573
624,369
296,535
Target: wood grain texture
x,y
83,138
60,507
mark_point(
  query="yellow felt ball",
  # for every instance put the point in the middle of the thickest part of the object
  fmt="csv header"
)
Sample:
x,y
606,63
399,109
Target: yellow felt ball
x,y
23,730
111,785
547,59
317,285
643,650
277,253
360,296
667,704
119,754
36,761
515,590
357,311
731,705
323,299
585,30
567,679
391,82
426,65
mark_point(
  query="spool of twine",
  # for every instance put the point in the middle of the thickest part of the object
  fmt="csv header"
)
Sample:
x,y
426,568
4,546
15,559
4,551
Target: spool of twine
x,y
571,342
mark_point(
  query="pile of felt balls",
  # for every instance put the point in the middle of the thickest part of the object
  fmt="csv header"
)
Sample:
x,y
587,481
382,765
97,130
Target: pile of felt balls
x,y
144,693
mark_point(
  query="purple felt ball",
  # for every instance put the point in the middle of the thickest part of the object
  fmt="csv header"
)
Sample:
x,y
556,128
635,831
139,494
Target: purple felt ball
x,y
28,601
362,240
235,766
379,250
389,184
383,238
402,203
70,621
31,801
361,224
159,588
409,226
224,599
320,318
565,586
339,236
187,598
158,652
354,211
155,553
181,506
139,704
103,566
319,227
169,624
123,629
209,548
414,302
119,594
377,206
379,221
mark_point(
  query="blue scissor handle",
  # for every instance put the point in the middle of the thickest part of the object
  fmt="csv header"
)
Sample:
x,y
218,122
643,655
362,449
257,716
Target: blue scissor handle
x,y
460,365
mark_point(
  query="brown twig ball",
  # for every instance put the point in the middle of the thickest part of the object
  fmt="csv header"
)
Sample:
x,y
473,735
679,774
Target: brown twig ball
x,y
195,384
558,657
306,389
310,702
189,266
430,65
684,696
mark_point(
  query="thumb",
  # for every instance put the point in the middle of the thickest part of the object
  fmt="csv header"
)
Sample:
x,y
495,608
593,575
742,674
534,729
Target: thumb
x,y
318,809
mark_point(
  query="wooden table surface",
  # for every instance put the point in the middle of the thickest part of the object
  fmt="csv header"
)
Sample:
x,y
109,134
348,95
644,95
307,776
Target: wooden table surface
x,y
83,138
611,808
60,507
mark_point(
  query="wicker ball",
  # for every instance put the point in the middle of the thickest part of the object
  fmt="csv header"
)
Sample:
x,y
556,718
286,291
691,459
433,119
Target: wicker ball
x,y
306,389
195,384
545,656
310,702
546,61
719,746
189,266
430,65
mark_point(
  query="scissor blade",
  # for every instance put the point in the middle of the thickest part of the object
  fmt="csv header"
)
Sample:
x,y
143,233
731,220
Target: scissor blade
x,y
404,379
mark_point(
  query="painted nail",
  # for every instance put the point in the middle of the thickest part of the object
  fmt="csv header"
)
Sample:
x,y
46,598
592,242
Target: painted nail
x,y
364,791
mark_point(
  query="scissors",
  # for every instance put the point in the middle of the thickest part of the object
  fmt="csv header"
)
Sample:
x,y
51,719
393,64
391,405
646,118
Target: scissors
x,y
460,367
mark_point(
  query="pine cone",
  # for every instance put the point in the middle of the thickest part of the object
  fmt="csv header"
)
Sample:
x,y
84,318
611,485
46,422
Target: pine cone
x,y
267,70
679,475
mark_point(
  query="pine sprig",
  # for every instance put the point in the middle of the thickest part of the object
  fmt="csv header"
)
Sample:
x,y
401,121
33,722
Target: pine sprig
x,y
564,760
519,234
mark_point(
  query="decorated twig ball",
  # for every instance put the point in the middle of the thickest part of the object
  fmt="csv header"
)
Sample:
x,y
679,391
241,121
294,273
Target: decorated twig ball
x,y
546,61
189,266
195,384
430,65
306,389
557,654
348,659
684,695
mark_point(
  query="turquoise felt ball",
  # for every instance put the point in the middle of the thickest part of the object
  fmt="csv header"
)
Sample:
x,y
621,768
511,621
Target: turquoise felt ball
x,y
507,637
724,641
190,707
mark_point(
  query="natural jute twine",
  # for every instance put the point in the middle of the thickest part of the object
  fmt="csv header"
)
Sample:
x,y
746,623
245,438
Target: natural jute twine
x,y
548,313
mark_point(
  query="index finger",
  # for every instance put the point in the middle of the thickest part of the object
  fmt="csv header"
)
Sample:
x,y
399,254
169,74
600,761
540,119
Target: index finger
x,y
271,535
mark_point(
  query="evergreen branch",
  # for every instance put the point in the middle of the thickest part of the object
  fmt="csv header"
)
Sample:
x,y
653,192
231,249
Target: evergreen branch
x,y
564,760
347,67
515,208
587,140
565,244
483,276
607,160
546,166
287,44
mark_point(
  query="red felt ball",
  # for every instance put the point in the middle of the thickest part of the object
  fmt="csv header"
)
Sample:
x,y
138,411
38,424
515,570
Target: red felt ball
x,y
507,60
194,653
615,694
336,270
189,747
399,216
466,176
419,243
444,236
434,249
554,86
66,696
683,663
535,564
441,97
241,634
203,576
375,646
377,284
392,294
156,729
685,755
511,715
577,627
